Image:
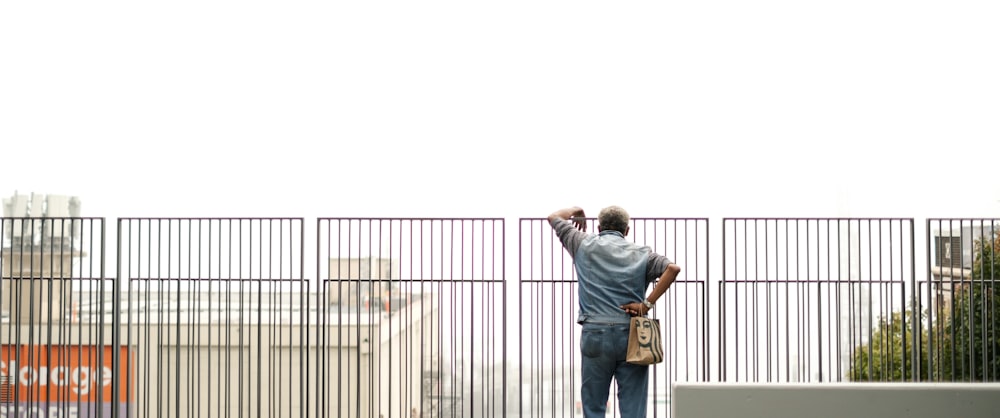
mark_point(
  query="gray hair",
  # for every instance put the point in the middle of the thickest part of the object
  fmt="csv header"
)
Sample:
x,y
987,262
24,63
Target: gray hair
x,y
613,218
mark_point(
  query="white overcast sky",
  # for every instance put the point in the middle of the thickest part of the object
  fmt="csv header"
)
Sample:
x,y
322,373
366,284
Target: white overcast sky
x,y
504,108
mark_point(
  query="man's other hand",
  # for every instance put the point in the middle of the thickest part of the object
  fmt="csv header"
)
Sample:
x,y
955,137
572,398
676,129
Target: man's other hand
x,y
635,308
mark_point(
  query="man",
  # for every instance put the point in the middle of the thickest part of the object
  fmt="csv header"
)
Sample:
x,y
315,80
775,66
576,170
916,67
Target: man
x,y
613,275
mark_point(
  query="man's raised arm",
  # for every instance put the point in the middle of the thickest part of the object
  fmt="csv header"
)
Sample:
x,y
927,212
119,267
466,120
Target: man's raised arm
x,y
574,213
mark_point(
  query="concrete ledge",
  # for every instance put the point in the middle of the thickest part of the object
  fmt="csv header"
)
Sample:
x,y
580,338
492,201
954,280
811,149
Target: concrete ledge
x,y
835,400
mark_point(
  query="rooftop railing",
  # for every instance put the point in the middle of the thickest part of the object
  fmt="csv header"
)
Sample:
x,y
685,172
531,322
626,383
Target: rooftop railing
x,y
404,317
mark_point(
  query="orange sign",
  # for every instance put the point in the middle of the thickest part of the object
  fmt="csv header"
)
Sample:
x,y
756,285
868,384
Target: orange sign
x,y
70,373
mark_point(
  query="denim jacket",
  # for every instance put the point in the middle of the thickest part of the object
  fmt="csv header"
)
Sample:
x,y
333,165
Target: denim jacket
x,y
611,271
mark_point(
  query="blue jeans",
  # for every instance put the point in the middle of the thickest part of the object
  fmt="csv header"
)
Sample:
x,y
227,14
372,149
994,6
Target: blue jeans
x,y
603,347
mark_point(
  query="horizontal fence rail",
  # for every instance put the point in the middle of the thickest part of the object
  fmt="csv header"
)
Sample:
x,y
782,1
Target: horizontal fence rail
x,y
416,317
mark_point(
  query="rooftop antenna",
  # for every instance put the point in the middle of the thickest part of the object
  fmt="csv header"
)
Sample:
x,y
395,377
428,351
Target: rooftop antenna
x,y
55,227
17,229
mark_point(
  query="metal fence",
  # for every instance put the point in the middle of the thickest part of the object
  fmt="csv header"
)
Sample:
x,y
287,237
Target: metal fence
x,y
417,317
960,328
212,318
414,317
53,369
798,295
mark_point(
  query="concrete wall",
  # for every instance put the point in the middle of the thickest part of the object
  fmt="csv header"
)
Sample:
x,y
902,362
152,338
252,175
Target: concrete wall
x,y
348,274
403,358
835,400
240,370
33,284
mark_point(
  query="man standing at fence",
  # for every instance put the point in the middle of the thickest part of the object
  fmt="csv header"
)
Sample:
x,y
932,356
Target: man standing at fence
x,y
613,275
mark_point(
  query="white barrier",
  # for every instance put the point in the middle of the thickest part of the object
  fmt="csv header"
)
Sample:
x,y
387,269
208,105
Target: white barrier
x,y
835,400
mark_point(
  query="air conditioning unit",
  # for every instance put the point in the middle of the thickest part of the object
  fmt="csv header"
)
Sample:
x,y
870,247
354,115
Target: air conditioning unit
x,y
58,229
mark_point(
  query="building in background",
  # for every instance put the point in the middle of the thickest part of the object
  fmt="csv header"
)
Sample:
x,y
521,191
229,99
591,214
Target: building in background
x,y
38,251
954,246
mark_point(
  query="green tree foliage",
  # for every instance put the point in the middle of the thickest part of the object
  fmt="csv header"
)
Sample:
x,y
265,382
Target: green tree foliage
x,y
964,344
971,347
884,359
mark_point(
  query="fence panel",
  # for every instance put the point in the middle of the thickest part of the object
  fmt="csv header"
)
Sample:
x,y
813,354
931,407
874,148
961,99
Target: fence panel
x,y
549,338
962,323
54,357
213,318
805,300
415,317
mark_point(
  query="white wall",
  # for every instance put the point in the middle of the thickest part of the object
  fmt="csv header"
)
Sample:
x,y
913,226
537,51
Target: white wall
x,y
835,400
